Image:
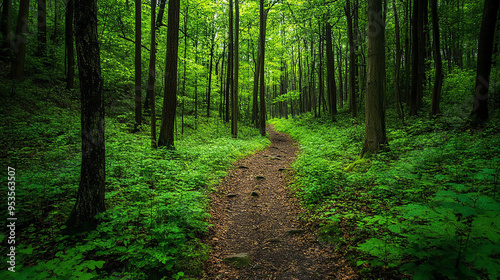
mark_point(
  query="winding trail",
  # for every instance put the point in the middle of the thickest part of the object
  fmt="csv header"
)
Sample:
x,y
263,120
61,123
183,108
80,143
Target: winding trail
x,y
254,215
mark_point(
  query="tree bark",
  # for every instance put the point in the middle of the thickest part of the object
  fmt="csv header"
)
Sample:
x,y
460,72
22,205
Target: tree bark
x,y
330,70
485,50
42,27
5,23
229,82
70,76
159,20
352,61
397,93
234,102
170,98
438,77
375,133
152,75
19,44
262,49
138,91
418,53
90,196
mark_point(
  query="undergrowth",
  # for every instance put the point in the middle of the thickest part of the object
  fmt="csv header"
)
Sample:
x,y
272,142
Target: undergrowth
x,y
156,200
426,208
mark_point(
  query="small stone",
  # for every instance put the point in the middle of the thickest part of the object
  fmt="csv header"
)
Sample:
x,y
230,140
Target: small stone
x,y
254,193
239,260
294,231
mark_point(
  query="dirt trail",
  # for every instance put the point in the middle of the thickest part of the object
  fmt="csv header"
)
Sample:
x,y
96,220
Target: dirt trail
x,y
254,215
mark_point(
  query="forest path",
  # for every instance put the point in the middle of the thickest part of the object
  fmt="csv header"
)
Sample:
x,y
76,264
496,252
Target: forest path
x,y
255,217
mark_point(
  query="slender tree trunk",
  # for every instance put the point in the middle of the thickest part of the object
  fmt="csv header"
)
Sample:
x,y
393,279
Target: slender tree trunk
x,y
229,87
352,61
234,99
184,63
152,75
90,196
330,70
170,98
397,93
19,45
320,72
159,20
138,91
484,58
438,77
341,85
255,104
209,91
69,44
262,49
417,79
375,133
5,24
42,27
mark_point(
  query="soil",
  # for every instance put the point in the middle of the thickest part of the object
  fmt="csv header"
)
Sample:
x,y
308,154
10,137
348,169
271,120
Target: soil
x,y
255,218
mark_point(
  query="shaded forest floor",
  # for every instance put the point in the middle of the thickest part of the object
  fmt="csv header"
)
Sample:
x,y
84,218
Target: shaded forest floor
x,y
257,233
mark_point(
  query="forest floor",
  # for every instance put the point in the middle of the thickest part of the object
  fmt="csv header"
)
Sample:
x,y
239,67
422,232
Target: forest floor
x,y
257,232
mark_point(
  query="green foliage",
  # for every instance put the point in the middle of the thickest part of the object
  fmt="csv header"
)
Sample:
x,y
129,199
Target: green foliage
x,y
428,206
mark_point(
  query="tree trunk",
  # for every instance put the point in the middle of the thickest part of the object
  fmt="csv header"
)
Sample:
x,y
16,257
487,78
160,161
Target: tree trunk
x,y
19,45
5,24
397,93
209,91
417,57
438,77
330,70
159,21
170,98
262,49
152,75
341,85
138,92
70,77
375,134
234,99
42,27
352,61
229,82
255,105
90,196
484,58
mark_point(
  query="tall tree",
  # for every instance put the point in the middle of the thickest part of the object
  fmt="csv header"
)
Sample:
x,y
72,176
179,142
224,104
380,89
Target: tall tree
x,y
418,56
138,91
90,196
438,77
19,45
352,61
397,92
484,57
229,83
375,133
170,98
152,75
159,20
262,49
330,70
5,23
70,51
234,99
42,27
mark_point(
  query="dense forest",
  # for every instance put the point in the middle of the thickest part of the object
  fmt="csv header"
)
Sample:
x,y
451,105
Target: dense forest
x,y
120,121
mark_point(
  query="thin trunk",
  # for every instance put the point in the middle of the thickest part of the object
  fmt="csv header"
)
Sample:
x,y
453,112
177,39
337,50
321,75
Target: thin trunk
x,y
69,44
262,48
341,85
234,114
229,81
19,45
170,98
330,69
159,20
138,91
352,62
152,75
42,27
438,77
255,105
5,23
209,91
398,63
